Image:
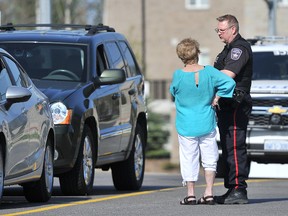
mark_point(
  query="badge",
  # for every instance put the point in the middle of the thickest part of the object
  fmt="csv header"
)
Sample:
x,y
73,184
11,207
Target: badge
x,y
236,53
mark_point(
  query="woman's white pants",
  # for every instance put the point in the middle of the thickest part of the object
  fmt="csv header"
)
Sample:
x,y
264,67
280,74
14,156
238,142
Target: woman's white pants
x,y
190,149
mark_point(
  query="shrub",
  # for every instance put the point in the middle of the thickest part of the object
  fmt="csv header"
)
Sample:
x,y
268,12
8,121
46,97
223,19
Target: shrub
x,y
157,135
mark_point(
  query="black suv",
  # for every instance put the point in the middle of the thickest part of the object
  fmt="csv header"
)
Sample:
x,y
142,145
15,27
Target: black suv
x,y
96,93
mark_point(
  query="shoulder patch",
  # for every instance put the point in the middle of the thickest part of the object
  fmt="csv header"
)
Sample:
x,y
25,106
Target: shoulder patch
x,y
236,53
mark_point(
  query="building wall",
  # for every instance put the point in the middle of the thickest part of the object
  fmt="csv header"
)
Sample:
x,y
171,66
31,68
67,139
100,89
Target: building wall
x,y
125,17
167,22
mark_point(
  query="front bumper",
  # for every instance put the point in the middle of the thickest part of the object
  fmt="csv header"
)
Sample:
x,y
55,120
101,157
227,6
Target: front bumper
x,y
66,149
267,146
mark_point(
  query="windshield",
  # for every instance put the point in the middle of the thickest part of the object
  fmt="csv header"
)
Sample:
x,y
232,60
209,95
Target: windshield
x,y
50,61
270,66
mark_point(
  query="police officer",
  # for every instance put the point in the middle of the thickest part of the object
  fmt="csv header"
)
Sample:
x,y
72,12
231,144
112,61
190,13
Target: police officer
x,y
235,60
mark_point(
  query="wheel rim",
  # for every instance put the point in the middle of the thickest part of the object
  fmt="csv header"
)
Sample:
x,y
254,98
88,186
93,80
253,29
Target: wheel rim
x,y
87,160
138,158
48,169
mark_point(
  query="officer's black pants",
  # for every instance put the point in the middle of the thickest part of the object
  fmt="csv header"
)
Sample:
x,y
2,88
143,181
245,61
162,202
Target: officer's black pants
x,y
232,123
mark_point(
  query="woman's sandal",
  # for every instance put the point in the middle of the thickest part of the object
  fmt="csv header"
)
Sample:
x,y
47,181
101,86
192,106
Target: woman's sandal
x,y
189,200
208,200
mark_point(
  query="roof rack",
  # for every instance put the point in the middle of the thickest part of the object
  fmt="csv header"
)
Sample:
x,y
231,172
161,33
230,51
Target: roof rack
x,y
268,39
92,29
98,28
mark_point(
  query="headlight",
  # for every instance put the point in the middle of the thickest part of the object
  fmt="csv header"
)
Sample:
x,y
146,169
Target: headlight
x,y
60,113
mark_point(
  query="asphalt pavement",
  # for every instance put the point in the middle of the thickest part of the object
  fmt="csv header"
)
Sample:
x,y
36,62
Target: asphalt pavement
x,y
160,195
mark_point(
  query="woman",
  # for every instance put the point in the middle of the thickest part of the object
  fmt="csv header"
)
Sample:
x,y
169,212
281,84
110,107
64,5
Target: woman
x,y
196,90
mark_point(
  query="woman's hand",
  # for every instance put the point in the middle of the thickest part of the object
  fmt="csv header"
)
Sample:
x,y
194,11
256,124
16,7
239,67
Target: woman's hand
x,y
215,102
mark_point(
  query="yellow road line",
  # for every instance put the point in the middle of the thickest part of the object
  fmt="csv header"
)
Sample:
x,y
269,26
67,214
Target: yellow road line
x,y
86,202
115,197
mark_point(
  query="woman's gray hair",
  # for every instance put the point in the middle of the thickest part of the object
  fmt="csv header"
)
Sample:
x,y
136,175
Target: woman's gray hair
x,y
188,51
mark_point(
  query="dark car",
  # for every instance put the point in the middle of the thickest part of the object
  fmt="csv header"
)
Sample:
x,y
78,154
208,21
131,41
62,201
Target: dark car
x,y
27,139
96,93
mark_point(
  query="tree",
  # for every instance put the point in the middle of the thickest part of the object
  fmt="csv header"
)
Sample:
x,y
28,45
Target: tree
x,y
17,12
77,11
63,11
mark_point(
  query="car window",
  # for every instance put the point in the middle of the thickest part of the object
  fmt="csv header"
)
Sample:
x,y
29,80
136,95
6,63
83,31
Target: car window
x,y
4,80
101,59
116,57
61,62
132,66
15,70
270,66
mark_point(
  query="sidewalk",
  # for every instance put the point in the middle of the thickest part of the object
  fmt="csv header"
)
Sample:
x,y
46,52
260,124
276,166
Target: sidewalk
x,y
160,166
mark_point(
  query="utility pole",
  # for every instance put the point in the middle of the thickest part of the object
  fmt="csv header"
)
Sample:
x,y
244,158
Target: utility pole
x,y
67,13
272,6
43,12
143,19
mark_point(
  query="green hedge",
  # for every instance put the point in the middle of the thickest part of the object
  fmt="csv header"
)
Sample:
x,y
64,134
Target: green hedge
x,y
157,136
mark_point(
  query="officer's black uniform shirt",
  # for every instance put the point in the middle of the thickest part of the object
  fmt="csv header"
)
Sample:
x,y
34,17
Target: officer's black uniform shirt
x,y
237,57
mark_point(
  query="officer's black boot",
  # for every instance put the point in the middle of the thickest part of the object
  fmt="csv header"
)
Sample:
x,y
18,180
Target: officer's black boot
x,y
233,196
221,199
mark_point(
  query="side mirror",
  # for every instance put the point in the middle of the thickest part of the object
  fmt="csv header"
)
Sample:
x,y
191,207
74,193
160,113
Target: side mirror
x,y
112,76
15,94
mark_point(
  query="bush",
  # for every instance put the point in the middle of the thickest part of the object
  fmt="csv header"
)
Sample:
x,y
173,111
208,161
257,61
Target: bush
x,y
157,135
159,154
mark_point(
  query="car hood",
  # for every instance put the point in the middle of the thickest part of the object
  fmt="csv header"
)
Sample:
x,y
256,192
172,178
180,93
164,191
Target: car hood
x,y
269,87
57,91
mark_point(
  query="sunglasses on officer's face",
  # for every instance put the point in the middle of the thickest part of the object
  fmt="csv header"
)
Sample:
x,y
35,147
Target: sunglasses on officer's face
x,y
222,30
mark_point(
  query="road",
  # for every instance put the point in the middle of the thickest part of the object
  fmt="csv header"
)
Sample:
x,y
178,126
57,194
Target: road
x,y
160,195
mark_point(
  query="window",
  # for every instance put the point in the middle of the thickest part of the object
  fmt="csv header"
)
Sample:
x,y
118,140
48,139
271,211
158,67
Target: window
x,y
132,66
197,4
101,60
270,66
117,60
41,59
283,3
204,57
18,77
4,80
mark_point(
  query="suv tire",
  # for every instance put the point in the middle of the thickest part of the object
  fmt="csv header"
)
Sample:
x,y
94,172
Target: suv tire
x,y
79,181
128,175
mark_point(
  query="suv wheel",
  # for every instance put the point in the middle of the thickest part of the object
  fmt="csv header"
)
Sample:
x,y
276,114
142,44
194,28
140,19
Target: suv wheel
x,y
41,190
129,174
79,181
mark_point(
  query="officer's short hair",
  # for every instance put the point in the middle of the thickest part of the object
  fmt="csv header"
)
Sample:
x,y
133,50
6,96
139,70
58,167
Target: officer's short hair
x,y
232,20
188,51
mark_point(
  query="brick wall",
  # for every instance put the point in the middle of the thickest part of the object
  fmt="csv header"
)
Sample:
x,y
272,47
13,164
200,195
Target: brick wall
x,y
167,22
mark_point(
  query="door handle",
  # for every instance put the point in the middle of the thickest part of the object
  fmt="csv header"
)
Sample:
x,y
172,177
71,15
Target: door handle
x,y
23,110
116,96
